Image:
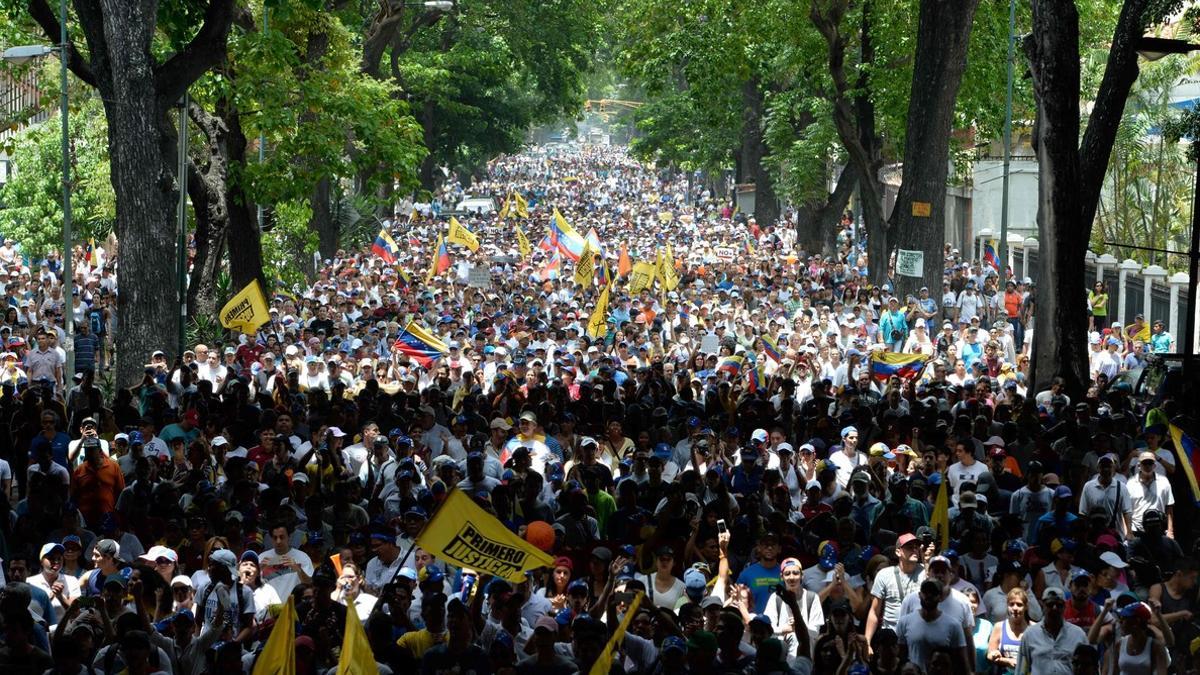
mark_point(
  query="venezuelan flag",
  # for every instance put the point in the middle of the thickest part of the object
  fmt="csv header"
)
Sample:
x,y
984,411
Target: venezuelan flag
x,y
770,347
755,378
552,268
91,247
887,364
385,247
419,345
731,364
593,240
568,240
1188,451
547,243
990,257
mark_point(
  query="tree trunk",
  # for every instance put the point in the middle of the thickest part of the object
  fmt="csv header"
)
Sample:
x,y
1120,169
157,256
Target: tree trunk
x,y
1059,347
817,221
754,149
138,92
322,221
245,237
1070,176
210,246
917,221
854,120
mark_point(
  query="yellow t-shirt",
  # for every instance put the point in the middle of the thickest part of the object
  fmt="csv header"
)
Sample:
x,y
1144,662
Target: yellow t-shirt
x,y
421,641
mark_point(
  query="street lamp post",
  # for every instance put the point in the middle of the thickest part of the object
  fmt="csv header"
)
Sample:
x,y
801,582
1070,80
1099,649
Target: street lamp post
x,y
19,55
1008,104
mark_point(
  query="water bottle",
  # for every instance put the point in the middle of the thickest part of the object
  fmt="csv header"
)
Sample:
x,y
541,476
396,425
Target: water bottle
x,y
468,585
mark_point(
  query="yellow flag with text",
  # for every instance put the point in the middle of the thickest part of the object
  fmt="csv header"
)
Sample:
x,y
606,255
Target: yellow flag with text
x,y
666,270
585,267
598,322
459,234
521,206
642,277
278,656
247,310
468,536
523,245
357,657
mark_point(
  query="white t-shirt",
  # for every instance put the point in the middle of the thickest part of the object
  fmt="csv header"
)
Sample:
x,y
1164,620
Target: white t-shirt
x,y
275,572
70,590
846,465
961,473
667,599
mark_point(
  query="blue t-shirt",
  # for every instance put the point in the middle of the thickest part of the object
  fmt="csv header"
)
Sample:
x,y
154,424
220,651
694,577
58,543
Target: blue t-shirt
x,y
58,447
759,580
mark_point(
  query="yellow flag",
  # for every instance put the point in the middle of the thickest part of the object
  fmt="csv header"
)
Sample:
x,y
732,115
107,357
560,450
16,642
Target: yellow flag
x,y
278,656
585,267
597,325
642,277
247,310
459,234
357,657
468,536
522,206
940,520
604,663
666,270
523,243
504,209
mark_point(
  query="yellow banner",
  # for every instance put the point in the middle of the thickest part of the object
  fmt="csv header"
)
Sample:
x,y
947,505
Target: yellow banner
x,y
278,656
604,663
642,277
597,325
940,520
666,270
459,234
522,206
468,536
247,310
357,657
523,243
585,267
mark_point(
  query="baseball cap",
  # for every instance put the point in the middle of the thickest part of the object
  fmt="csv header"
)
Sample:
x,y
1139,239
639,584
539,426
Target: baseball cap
x,y
1113,560
51,548
1052,592
1063,492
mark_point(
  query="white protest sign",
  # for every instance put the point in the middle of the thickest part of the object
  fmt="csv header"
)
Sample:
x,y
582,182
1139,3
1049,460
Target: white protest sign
x,y
710,344
910,263
479,277
724,253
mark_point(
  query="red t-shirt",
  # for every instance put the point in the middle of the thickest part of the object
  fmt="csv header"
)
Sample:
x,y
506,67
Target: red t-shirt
x,y
1084,618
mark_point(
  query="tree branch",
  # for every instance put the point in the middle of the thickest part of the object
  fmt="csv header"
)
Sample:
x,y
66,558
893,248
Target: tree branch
x,y
1120,73
47,19
173,77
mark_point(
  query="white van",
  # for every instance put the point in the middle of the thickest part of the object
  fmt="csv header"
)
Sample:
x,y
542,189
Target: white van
x,y
483,206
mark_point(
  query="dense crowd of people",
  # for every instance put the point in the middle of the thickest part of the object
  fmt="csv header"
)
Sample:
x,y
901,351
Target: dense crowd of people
x,y
722,459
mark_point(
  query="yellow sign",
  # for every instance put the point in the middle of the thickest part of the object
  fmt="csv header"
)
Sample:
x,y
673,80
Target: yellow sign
x,y
585,267
468,536
523,243
666,270
642,277
459,234
598,322
922,209
247,310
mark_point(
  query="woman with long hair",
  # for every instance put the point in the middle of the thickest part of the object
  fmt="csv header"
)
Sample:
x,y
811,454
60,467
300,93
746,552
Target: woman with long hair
x,y
1098,306
557,581
1005,640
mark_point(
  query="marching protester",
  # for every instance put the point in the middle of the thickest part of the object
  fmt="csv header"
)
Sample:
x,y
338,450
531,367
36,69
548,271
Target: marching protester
x,y
613,425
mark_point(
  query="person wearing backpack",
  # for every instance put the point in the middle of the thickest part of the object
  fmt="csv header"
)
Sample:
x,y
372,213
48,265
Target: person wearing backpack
x,y
239,607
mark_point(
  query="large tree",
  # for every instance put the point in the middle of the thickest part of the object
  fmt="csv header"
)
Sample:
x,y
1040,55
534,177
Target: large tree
x,y
1071,171
139,89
